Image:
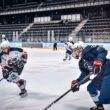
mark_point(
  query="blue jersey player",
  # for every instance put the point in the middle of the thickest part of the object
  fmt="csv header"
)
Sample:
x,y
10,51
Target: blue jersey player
x,y
93,59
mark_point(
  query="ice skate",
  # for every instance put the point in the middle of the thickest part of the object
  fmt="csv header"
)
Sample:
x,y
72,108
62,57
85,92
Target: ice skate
x,y
100,107
23,93
64,59
69,59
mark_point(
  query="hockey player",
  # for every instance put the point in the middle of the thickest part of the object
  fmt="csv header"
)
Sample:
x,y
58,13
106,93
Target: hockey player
x,y
12,61
68,46
93,59
4,38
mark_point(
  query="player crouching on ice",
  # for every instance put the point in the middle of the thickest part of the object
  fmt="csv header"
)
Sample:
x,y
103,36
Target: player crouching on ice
x,y
93,59
12,61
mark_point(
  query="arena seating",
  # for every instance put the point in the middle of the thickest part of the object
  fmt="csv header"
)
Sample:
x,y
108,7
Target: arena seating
x,y
96,27
61,30
10,29
11,22
13,27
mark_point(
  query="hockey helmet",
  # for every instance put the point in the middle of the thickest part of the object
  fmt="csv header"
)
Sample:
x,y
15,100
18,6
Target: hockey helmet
x,y
3,36
70,39
77,49
79,44
4,44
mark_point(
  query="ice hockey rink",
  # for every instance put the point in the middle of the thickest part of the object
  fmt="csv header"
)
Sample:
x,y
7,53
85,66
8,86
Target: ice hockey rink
x,y
48,77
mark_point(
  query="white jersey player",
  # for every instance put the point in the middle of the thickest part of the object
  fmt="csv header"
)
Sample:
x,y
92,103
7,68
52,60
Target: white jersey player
x,y
4,38
12,61
69,50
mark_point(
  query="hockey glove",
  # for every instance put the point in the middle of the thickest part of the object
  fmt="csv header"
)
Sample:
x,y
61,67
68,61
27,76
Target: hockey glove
x,y
5,73
88,66
74,86
97,66
21,63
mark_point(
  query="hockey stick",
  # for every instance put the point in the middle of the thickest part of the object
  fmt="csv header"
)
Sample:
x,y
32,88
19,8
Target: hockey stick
x,y
81,82
1,79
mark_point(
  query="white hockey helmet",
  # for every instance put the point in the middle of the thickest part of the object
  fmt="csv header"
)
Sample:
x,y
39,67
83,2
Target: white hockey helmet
x,y
77,49
79,44
4,44
3,36
70,39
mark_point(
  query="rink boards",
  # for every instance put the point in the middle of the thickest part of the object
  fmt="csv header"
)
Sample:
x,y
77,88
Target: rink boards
x,y
50,45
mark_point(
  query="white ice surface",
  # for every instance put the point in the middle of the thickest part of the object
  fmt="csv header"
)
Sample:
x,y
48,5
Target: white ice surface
x,y
47,77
